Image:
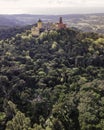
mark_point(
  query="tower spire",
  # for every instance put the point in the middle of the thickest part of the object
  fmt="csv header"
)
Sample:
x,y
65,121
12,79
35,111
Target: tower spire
x,y
60,20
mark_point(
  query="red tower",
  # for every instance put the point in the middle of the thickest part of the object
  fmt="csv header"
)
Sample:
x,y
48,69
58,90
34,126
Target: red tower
x,y
61,25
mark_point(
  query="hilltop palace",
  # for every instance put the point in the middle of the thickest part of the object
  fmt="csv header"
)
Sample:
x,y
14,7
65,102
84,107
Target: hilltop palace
x,y
41,27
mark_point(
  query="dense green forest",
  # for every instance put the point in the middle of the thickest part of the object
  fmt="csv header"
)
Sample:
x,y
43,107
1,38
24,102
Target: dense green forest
x,y
52,82
7,32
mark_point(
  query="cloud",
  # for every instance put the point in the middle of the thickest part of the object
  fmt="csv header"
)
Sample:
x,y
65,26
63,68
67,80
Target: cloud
x,y
44,6
77,3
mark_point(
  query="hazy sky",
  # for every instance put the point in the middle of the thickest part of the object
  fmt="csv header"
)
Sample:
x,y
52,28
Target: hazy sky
x,y
51,6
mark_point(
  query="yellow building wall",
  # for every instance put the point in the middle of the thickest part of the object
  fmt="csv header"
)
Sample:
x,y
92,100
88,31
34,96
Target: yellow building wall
x,y
39,25
35,31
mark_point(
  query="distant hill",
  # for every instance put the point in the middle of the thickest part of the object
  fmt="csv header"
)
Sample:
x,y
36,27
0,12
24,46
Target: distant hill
x,y
85,22
8,20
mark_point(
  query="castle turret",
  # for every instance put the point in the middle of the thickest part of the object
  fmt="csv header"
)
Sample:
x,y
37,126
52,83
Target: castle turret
x,y
60,20
39,24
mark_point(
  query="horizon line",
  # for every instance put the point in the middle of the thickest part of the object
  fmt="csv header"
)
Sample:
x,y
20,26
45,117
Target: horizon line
x,y
52,14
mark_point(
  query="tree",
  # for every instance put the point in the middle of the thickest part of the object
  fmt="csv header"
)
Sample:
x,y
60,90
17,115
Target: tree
x,y
19,122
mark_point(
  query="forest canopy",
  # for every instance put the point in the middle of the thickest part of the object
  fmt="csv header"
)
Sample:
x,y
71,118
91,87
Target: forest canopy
x,y
52,82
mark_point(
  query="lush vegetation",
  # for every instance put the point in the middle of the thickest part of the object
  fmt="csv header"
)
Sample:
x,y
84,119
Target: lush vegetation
x,y
7,32
52,82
